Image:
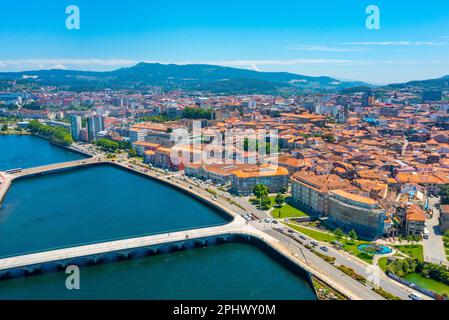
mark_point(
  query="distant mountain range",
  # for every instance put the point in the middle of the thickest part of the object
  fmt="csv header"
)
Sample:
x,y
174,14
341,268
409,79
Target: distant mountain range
x,y
201,77
195,77
432,84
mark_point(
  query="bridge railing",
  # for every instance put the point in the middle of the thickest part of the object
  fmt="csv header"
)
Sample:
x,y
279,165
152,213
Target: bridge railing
x,y
168,233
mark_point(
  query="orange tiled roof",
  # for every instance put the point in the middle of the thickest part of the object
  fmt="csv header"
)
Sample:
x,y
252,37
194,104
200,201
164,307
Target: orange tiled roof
x,y
261,171
354,197
415,213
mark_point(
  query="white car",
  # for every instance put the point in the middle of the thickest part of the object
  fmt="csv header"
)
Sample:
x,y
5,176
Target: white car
x,y
415,296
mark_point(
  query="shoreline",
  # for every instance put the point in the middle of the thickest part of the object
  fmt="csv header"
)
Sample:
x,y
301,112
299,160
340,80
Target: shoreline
x,y
18,133
281,251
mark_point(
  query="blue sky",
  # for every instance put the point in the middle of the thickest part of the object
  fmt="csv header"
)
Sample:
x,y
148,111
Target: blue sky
x,y
320,37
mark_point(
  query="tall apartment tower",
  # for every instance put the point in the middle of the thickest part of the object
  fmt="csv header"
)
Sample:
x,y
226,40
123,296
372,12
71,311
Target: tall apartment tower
x,y
95,124
76,124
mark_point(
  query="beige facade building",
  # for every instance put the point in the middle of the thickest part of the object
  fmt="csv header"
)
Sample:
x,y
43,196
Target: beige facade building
x,y
273,177
354,212
310,191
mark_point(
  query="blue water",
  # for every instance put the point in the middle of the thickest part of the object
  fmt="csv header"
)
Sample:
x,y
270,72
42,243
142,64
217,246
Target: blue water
x,y
102,203
91,205
380,249
30,151
231,271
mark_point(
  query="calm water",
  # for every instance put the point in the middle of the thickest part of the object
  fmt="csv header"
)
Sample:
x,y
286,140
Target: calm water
x,y
103,203
231,271
30,151
90,205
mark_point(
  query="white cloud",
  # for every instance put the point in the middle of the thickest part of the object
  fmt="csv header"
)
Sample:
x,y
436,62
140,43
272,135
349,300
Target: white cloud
x,y
395,43
30,64
254,67
325,48
286,62
59,66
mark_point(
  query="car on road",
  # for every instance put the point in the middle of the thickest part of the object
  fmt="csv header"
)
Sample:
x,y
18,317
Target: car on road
x,y
425,234
266,220
325,249
302,237
415,296
314,243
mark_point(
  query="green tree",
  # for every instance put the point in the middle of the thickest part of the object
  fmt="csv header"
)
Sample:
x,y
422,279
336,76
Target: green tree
x,y
57,135
132,153
284,190
4,128
265,202
329,138
417,238
279,200
32,106
444,194
353,235
260,190
107,144
339,234
196,113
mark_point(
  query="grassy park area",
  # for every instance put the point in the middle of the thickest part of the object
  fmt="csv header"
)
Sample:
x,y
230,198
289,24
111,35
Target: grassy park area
x,y
413,251
383,262
429,284
316,235
350,246
285,211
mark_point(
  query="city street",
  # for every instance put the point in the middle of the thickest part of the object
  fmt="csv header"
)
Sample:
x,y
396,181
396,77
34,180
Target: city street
x,y
370,272
434,251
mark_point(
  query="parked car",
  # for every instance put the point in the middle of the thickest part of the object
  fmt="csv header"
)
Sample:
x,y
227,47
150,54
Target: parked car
x,y
325,249
314,243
